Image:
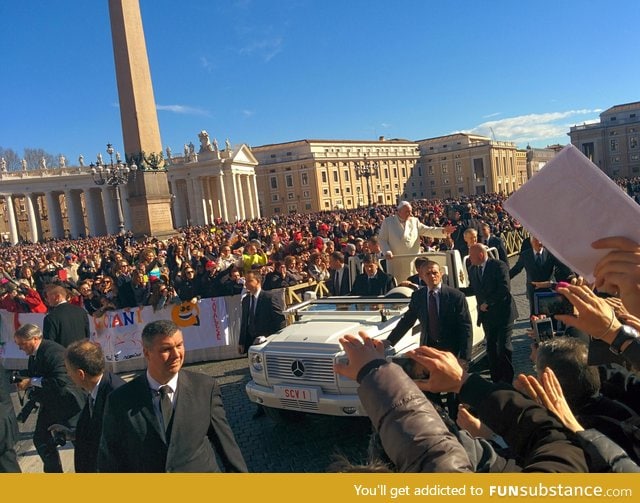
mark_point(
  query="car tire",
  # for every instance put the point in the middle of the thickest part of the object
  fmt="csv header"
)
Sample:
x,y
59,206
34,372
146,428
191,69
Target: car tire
x,y
284,416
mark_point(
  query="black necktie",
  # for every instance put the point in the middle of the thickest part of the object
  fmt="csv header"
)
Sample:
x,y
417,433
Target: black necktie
x,y
165,405
336,283
539,258
434,334
92,403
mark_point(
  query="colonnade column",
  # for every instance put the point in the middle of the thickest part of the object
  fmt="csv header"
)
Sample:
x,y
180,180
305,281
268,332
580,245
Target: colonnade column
x,y
224,213
13,228
178,214
55,215
107,205
255,194
206,199
236,208
31,215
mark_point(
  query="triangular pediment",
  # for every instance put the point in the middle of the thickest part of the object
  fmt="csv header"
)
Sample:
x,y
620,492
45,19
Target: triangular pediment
x,y
243,155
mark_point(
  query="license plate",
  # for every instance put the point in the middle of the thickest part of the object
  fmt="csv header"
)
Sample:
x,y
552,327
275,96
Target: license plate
x,y
296,393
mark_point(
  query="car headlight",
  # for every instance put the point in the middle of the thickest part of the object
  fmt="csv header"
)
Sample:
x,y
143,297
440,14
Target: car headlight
x,y
255,359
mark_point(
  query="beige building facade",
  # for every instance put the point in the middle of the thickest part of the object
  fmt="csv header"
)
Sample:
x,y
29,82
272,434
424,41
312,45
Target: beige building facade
x,y
320,175
464,164
613,144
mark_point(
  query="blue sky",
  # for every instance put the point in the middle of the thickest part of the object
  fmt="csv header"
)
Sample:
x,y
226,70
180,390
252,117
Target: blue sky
x,y
270,71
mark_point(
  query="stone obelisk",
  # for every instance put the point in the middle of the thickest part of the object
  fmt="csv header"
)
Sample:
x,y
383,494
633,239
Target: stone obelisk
x,y
149,197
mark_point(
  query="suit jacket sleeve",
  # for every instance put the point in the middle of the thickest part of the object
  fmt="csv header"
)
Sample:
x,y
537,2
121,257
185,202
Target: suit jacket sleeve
x,y
278,320
112,457
517,267
531,431
407,320
463,329
221,436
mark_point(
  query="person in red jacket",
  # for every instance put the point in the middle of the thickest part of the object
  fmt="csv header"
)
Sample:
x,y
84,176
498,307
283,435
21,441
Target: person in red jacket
x,y
20,298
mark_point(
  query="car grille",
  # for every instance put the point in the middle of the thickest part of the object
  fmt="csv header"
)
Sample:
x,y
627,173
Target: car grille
x,y
317,370
298,404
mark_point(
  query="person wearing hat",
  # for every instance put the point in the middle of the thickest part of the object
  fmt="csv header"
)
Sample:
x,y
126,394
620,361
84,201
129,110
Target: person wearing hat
x,y
400,235
207,279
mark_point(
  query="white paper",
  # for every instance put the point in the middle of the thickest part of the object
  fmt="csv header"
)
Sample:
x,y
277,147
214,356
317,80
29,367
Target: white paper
x,y
569,204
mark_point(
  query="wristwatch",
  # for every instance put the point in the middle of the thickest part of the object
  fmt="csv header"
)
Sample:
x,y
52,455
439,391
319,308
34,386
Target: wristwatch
x,y
626,333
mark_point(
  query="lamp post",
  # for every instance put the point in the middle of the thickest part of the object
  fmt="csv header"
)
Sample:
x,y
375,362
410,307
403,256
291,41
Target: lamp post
x,y
366,169
114,175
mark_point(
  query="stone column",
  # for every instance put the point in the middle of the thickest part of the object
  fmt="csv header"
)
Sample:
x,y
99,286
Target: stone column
x,y
206,199
31,215
108,207
178,213
236,208
90,201
197,213
11,214
55,215
224,213
255,195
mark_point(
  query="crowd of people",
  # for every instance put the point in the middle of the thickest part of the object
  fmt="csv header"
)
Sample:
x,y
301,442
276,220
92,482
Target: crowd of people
x,y
113,272
449,419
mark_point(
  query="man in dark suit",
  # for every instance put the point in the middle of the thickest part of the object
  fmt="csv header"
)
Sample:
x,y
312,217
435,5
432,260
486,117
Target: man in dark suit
x,y
497,310
65,322
261,312
339,282
86,367
8,427
60,401
443,312
540,266
373,281
167,419
493,241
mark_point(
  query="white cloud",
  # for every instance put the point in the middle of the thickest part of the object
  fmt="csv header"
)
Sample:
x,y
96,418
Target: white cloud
x,y
535,127
206,64
266,49
183,109
491,115
248,113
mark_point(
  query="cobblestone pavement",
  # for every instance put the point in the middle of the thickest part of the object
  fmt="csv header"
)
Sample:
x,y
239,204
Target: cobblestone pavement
x,y
305,446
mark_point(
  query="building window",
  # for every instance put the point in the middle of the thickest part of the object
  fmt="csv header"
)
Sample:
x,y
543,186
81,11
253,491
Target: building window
x,y
459,179
274,197
404,172
288,180
445,181
478,169
276,210
307,206
304,178
430,168
458,166
633,142
274,183
325,192
335,176
290,195
445,168
327,204
305,194
346,175
616,158
323,175
613,145
588,150
337,190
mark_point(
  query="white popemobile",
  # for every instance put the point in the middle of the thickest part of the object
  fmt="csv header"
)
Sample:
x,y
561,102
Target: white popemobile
x,y
292,372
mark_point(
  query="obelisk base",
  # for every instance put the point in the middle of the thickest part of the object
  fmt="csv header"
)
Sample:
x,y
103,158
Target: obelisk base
x,y
150,205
